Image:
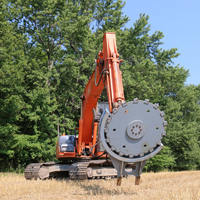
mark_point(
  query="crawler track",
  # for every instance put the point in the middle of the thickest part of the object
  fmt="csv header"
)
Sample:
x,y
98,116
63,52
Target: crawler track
x,y
94,169
79,172
31,171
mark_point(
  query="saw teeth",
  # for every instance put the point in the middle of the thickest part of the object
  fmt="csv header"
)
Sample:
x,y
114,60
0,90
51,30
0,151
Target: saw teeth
x,y
146,101
108,140
151,149
163,133
165,123
141,154
124,104
106,130
115,110
131,155
159,142
135,100
155,106
121,153
113,148
109,119
162,114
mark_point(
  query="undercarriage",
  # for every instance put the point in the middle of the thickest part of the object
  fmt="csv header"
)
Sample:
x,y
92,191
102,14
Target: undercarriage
x,y
93,169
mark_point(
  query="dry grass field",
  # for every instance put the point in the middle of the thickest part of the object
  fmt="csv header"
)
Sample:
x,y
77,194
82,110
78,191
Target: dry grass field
x,y
163,185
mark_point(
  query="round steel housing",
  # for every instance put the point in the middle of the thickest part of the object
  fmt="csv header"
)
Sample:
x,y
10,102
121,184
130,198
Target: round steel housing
x,y
133,131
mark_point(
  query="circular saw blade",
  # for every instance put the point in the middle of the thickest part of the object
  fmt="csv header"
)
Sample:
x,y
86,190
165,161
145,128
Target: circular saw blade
x,y
134,129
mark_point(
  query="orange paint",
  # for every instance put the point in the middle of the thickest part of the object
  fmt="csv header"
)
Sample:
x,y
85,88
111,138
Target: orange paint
x,y
112,79
114,85
94,135
79,147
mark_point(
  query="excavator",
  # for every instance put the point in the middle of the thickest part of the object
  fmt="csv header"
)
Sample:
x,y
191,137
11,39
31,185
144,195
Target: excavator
x,y
115,138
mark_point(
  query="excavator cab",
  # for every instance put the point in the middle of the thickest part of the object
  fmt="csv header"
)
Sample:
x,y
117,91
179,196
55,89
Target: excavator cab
x,y
67,143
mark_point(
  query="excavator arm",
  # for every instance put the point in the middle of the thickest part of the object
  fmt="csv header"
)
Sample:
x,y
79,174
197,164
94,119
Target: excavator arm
x,y
106,74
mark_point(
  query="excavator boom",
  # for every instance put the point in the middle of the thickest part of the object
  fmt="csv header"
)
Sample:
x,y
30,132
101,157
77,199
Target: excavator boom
x,y
108,72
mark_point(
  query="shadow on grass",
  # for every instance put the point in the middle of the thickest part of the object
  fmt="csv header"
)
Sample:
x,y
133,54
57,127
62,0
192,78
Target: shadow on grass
x,y
100,189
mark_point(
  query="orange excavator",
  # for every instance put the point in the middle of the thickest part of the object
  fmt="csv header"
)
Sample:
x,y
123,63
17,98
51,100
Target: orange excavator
x,y
115,138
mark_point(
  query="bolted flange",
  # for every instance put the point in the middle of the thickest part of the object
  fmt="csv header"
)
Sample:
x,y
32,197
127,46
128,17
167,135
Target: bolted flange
x,y
136,129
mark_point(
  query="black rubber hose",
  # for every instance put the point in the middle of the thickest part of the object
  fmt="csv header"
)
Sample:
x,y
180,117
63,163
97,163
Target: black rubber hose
x,y
92,151
103,71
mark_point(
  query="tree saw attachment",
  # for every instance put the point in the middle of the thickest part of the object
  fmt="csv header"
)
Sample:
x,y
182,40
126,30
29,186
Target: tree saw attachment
x,y
131,134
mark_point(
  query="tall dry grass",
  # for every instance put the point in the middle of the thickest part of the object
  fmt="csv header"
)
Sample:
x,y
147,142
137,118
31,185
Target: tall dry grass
x,y
163,185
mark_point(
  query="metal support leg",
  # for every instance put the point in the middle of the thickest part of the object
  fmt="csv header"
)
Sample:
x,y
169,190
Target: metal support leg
x,y
137,180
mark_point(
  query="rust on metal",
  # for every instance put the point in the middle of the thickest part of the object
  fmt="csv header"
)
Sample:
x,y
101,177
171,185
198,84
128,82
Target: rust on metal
x,y
119,181
137,180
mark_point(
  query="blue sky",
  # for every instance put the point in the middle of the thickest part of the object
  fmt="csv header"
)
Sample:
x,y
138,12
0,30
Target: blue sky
x,y
179,20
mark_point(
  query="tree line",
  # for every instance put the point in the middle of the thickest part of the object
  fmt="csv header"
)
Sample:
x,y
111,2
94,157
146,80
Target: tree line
x,y
47,52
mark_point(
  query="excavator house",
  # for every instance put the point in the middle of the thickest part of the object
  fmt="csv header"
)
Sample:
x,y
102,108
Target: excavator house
x,y
115,138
